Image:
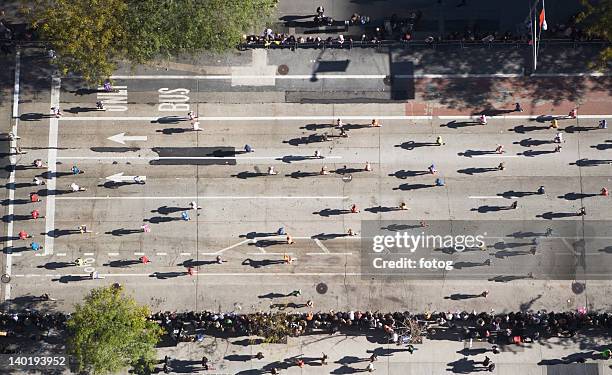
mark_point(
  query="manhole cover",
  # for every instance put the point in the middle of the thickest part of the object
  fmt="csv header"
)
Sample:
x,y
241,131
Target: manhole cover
x,y
283,69
321,288
388,80
578,288
5,278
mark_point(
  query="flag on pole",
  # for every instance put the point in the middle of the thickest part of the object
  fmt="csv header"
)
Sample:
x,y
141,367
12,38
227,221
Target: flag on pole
x,y
543,25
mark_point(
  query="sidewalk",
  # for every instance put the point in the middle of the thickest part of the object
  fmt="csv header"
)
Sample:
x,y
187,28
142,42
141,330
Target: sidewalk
x,y
350,354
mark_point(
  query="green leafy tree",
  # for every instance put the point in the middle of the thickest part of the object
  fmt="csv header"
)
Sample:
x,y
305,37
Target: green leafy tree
x,y
91,36
596,18
110,331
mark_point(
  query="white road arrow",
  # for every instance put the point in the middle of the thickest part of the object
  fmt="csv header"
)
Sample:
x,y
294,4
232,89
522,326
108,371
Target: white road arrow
x,y
119,177
121,138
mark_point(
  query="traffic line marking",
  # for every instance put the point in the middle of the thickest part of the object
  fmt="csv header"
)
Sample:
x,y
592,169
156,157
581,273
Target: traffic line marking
x,y
113,254
88,254
237,158
220,197
8,264
51,163
185,254
60,254
161,254
15,255
320,244
139,253
357,76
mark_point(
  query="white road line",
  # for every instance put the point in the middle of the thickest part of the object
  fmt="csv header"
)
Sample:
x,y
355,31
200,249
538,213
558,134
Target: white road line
x,y
88,254
318,242
269,253
39,255
485,197
60,254
495,156
161,254
138,253
113,254
329,253
8,265
200,198
51,161
185,254
359,76
307,157
229,247
517,117
250,118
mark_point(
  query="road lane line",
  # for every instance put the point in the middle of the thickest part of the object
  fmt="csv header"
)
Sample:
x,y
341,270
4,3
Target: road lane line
x,y
139,253
185,254
318,242
199,198
88,254
60,254
113,254
307,158
359,76
247,118
51,167
8,265
161,254
329,253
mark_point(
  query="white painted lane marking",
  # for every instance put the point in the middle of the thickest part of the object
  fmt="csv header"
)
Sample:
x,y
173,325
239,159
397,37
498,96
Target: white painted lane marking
x,y
161,254
329,253
318,242
200,198
138,253
119,177
185,254
237,158
269,253
60,254
495,156
250,118
88,254
113,254
51,161
518,117
122,138
8,265
229,247
360,76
